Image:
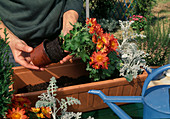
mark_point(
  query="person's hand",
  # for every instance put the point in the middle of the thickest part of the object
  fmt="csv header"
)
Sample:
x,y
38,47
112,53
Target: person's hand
x,y
66,58
70,16
21,52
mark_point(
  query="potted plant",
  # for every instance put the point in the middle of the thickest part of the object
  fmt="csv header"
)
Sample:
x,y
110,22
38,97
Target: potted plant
x,y
101,55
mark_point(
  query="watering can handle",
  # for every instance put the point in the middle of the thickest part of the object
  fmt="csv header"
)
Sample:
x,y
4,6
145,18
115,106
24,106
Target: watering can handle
x,y
151,76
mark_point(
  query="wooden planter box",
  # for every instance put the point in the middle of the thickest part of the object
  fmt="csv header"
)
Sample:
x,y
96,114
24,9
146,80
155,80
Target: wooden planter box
x,y
89,102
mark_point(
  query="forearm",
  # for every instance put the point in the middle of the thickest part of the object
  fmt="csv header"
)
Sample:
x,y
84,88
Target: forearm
x,y
11,36
70,16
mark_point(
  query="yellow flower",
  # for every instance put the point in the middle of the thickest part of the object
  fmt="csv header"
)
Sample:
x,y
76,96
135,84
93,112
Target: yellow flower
x,y
16,114
40,115
46,111
35,110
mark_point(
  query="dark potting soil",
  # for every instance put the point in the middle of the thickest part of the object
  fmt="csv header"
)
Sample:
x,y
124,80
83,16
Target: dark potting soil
x,y
63,81
53,50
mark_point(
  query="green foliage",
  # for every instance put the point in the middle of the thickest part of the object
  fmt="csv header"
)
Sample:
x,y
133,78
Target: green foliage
x,y
101,8
143,7
139,22
5,76
76,40
156,43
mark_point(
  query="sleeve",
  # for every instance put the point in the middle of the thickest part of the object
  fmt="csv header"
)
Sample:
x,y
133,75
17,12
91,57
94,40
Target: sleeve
x,y
76,5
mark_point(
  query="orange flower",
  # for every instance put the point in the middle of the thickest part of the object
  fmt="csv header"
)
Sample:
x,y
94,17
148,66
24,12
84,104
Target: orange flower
x,y
92,30
40,115
98,30
95,66
99,59
94,39
16,114
113,43
105,65
91,22
106,38
104,50
92,61
35,110
21,102
99,44
46,111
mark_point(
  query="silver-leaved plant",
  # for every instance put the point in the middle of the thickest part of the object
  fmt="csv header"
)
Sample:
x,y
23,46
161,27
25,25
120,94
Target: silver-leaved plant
x,y
133,59
49,100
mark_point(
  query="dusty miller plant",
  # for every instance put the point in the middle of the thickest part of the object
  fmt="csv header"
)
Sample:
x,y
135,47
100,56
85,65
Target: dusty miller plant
x,y
132,58
49,100
108,25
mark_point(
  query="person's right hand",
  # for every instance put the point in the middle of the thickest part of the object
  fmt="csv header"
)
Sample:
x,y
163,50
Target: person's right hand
x,y
21,52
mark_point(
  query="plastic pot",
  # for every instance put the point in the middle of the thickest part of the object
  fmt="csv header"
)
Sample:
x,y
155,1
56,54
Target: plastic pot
x,y
49,51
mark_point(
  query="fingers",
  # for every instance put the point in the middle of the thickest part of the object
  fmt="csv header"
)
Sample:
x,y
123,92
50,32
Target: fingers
x,y
22,61
65,59
23,58
22,46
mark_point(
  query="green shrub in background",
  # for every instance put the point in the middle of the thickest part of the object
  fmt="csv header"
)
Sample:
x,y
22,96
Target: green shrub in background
x,y
5,76
156,43
116,8
143,7
101,8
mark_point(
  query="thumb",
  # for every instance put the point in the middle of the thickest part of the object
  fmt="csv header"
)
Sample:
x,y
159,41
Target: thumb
x,y
23,47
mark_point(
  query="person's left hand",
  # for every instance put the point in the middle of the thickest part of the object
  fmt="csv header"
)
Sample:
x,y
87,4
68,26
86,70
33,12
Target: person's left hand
x,y
70,16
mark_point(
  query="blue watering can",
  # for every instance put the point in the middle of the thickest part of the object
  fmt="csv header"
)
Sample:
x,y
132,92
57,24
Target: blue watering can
x,y
156,100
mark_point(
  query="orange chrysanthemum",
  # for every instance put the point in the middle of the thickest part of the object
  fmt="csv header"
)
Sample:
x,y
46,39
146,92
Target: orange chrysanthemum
x,y
99,59
35,110
94,38
99,44
40,115
21,102
46,111
92,30
98,29
16,114
91,22
104,49
106,38
91,61
113,43
95,66
106,65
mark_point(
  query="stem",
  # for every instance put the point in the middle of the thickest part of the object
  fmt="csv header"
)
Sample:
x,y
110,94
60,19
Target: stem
x,y
54,108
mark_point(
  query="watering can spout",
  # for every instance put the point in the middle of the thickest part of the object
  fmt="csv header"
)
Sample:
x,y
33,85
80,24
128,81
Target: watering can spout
x,y
98,92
